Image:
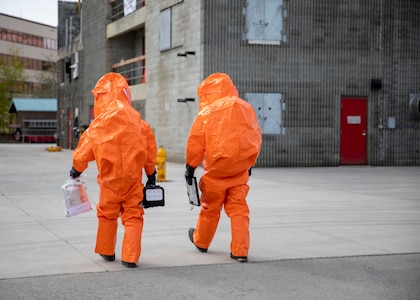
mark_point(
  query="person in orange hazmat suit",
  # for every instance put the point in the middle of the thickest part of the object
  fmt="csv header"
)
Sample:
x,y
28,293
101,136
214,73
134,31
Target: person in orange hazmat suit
x,y
122,144
226,138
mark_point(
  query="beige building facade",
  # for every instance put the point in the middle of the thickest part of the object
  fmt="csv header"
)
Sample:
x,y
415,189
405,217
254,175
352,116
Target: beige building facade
x,y
36,46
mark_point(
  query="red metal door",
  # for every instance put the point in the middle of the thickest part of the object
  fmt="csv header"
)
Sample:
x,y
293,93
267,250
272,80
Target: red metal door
x,y
353,131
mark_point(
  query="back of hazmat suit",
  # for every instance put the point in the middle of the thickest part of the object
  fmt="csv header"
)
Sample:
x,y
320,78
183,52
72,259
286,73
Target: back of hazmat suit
x,y
122,144
226,138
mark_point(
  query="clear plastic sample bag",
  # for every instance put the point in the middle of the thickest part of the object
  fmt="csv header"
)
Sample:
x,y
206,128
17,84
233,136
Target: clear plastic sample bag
x,y
75,197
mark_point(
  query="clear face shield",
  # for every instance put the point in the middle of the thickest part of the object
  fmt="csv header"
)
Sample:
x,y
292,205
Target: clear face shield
x,y
127,92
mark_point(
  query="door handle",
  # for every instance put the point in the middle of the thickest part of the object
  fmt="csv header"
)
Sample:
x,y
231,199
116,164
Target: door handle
x,y
364,132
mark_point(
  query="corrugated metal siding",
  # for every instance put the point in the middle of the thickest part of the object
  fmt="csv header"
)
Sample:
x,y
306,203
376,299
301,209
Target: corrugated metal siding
x,y
333,49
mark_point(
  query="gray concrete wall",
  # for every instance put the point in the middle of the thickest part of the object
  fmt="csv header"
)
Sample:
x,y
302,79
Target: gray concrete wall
x,y
400,50
95,16
70,91
65,11
333,50
171,77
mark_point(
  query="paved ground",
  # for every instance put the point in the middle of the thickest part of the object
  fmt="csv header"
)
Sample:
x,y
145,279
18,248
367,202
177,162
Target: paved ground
x,y
316,233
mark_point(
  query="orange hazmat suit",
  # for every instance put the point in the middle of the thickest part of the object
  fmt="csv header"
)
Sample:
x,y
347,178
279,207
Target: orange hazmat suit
x,y
226,138
122,144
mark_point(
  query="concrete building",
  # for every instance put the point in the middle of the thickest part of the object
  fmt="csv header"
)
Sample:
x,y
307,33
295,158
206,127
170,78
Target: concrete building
x,y
35,46
70,74
37,117
332,82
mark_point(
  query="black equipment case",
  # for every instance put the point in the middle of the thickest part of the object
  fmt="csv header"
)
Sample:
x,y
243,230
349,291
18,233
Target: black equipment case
x,y
153,196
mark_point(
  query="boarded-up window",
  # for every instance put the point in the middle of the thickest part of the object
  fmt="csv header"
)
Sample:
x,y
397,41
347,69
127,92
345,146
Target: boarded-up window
x,y
171,26
268,107
264,22
165,29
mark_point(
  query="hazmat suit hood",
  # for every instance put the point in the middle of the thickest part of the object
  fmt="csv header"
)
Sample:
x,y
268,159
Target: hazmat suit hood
x,y
115,139
110,88
225,135
214,87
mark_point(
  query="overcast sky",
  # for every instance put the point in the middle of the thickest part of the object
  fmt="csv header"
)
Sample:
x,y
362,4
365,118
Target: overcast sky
x,y
41,11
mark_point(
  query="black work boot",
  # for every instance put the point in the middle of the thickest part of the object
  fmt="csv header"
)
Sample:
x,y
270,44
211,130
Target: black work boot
x,y
129,264
241,259
191,236
108,257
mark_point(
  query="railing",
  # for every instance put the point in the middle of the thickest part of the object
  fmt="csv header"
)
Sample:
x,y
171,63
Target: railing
x,y
118,8
36,123
38,135
134,70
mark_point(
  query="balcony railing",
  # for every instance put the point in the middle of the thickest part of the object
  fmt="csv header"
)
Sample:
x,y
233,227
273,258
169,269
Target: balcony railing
x,y
134,69
118,8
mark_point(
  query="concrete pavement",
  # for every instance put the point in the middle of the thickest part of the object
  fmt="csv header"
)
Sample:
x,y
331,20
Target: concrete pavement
x,y
349,232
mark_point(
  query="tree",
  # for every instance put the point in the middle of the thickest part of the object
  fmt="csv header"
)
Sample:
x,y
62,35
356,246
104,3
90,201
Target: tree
x,y
48,80
12,80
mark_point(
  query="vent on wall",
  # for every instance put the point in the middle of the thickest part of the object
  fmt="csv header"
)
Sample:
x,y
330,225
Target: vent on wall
x,y
376,84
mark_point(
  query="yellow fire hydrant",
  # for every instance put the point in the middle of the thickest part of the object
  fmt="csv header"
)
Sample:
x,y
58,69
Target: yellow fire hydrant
x,y
161,164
